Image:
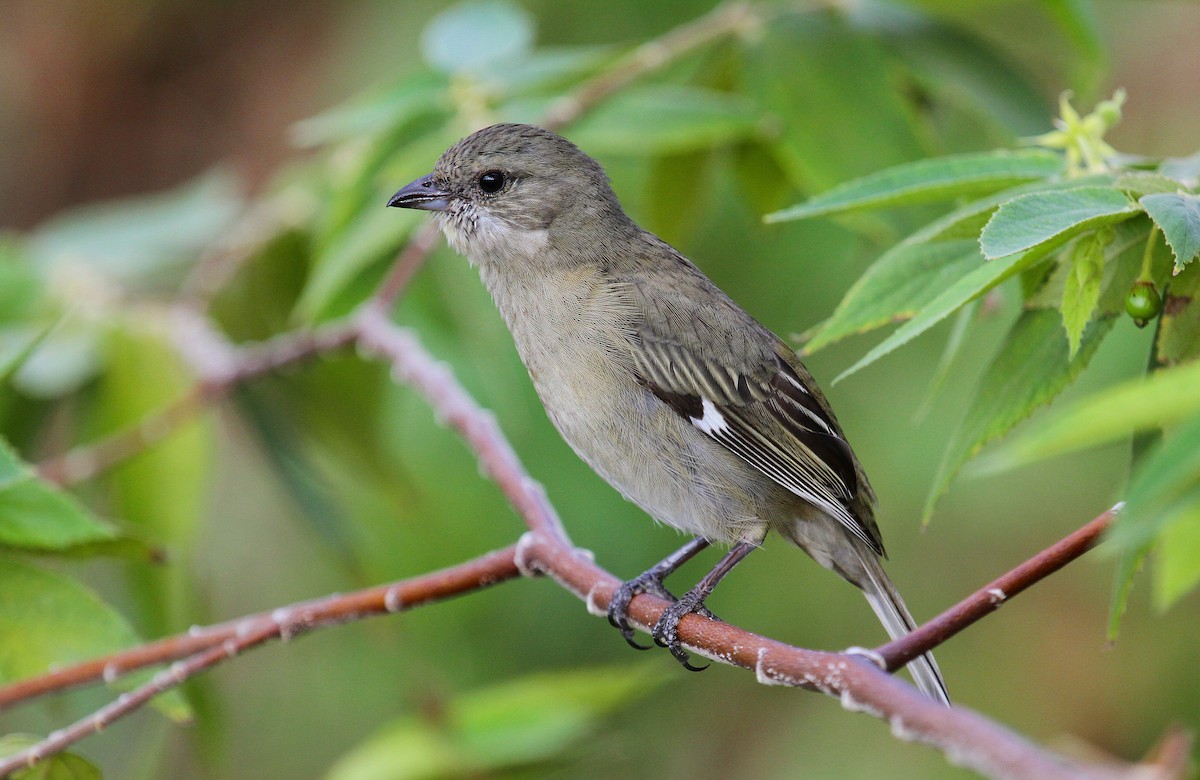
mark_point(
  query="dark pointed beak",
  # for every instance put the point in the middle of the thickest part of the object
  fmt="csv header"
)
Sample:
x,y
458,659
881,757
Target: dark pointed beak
x,y
421,194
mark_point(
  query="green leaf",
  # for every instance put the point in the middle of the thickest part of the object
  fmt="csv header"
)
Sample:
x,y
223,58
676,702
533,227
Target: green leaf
x,y
1082,291
967,288
163,490
35,515
1139,183
21,288
1121,266
899,284
14,358
848,85
1178,216
954,344
60,766
1078,22
59,621
1177,557
137,240
1129,563
1179,329
375,237
1166,397
1165,483
474,36
1185,170
546,69
969,219
1039,218
941,178
1031,368
963,72
505,727
375,112
665,119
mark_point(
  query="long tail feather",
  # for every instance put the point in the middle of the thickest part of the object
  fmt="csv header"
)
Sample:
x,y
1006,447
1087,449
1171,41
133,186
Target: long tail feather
x,y
891,611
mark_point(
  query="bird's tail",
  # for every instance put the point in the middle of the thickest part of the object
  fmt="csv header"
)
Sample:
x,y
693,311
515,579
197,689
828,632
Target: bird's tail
x,y
890,608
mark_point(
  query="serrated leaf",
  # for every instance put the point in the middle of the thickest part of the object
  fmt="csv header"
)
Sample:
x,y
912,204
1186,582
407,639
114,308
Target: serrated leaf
x,y
1129,563
1082,291
902,281
1031,368
1122,265
969,287
1177,557
60,766
1039,218
35,515
514,724
473,36
1166,397
969,219
664,119
1139,183
1178,216
923,181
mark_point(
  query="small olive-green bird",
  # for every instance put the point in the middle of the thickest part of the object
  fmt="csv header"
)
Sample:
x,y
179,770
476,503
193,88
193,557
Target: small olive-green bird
x,y
661,383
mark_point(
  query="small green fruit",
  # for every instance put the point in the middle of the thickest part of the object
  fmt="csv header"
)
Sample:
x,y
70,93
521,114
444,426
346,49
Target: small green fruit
x,y
1143,303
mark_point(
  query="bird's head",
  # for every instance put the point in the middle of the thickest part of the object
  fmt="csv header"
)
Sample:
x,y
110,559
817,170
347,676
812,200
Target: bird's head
x,y
500,191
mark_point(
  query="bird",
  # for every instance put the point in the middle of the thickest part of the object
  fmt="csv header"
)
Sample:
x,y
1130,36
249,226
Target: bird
x,y
657,379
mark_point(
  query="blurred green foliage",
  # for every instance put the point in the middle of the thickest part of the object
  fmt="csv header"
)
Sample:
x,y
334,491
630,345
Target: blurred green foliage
x,y
330,476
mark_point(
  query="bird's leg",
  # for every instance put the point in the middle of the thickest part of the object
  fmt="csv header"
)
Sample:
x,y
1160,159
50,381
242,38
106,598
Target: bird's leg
x,y
666,633
650,581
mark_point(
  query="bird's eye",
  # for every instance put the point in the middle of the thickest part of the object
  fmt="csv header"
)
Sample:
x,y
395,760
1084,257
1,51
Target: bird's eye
x,y
491,181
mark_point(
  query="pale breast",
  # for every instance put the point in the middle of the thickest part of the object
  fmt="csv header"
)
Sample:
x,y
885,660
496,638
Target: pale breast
x,y
570,328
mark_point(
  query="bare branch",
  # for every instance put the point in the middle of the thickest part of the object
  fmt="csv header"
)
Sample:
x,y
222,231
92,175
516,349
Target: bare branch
x,y
990,597
414,366
724,20
203,648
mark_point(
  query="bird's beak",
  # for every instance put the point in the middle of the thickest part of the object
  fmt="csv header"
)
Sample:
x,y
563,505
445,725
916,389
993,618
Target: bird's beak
x,y
421,194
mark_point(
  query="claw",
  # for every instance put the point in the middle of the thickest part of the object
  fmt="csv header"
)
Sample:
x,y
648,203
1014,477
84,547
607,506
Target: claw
x,y
618,605
666,632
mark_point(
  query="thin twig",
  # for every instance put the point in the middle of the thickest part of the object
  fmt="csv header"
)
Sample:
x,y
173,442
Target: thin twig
x,y
650,56
220,366
990,597
203,648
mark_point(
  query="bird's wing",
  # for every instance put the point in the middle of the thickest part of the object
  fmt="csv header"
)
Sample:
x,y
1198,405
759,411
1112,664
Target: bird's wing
x,y
745,390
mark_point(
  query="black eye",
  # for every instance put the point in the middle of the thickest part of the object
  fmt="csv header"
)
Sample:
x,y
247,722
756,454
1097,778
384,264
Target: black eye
x,y
491,181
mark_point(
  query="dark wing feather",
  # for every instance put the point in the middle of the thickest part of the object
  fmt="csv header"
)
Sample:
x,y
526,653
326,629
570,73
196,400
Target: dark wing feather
x,y
769,420
731,378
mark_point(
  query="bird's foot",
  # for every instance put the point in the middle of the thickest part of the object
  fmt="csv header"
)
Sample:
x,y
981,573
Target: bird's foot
x,y
618,606
666,632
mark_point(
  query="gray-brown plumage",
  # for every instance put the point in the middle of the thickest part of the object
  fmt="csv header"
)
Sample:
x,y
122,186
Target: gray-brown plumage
x,y
656,378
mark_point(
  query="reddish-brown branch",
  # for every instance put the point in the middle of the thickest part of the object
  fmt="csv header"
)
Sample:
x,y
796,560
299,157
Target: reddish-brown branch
x,y
203,648
990,597
965,736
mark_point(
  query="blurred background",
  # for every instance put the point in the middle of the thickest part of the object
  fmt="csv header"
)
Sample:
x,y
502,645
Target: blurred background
x,y
330,478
